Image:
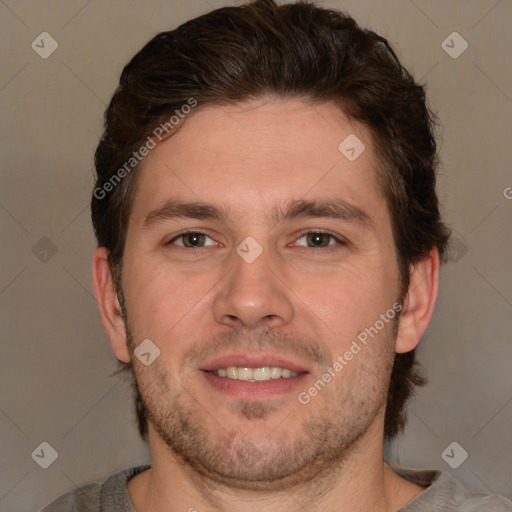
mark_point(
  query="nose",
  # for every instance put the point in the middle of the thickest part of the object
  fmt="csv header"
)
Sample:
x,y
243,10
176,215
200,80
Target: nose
x,y
252,295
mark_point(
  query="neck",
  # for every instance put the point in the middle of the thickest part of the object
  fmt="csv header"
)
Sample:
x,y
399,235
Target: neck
x,y
361,483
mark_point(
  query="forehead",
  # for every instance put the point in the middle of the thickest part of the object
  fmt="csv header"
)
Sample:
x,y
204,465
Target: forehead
x,y
258,154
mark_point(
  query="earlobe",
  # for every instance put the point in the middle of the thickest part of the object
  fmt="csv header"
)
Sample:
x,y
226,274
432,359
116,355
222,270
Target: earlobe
x,y
419,302
108,303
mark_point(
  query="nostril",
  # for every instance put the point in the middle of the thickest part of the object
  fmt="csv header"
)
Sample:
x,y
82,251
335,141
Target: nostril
x,y
268,319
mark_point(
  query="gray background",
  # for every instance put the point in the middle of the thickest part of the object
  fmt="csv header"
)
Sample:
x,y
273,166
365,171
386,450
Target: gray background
x,y
55,364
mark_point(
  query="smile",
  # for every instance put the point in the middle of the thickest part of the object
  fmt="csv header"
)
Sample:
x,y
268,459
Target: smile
x,y
260,374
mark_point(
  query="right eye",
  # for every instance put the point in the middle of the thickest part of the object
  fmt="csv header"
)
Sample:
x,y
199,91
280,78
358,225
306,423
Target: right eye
x,y
191,240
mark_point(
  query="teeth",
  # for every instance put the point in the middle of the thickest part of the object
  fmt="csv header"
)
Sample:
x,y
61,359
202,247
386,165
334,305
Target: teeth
x,y
255,374
232,372
275,372
245,373
261,373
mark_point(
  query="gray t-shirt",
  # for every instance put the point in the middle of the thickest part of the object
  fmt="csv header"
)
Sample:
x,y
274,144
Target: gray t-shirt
x,y
444,494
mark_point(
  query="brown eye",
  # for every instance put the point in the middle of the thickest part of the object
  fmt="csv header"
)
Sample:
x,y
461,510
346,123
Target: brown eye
x,y
318,239
192,240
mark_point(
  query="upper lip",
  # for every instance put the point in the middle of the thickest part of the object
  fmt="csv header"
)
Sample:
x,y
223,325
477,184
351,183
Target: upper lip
x,y
253,360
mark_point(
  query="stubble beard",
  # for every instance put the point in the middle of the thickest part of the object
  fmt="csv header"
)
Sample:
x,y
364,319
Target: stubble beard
x,y
320,448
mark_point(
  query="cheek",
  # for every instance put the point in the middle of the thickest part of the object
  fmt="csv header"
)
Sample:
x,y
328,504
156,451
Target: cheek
x,y
365,362
348,297
351,304
161,303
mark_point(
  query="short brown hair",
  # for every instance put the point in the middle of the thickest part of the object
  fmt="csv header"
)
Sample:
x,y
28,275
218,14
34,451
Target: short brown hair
x,y
295,50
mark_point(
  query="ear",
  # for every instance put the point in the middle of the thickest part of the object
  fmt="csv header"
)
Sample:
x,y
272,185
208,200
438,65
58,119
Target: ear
x,y
108,303
419,302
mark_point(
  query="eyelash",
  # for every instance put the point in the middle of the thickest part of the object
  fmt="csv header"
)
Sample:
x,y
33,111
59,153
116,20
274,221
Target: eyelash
x,y
340,241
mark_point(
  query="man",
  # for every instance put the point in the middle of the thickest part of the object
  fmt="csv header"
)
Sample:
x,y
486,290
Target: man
x,y
269,248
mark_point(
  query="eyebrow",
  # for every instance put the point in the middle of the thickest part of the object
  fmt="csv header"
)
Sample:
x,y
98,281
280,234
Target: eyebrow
x,y
338,209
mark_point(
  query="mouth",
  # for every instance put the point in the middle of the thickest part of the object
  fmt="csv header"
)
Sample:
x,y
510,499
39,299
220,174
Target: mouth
x,y
253,376
261,374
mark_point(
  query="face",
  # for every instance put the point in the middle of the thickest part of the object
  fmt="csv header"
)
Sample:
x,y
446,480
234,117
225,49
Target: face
x,y
256,254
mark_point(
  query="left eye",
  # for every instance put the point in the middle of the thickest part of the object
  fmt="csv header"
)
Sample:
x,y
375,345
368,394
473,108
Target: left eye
x,y
192,240
316,239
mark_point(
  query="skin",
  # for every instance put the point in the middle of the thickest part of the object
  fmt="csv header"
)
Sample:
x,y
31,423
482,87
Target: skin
x,y
214,450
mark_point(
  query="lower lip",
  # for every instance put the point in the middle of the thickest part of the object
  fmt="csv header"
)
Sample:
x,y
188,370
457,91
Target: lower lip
x,y
254,390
